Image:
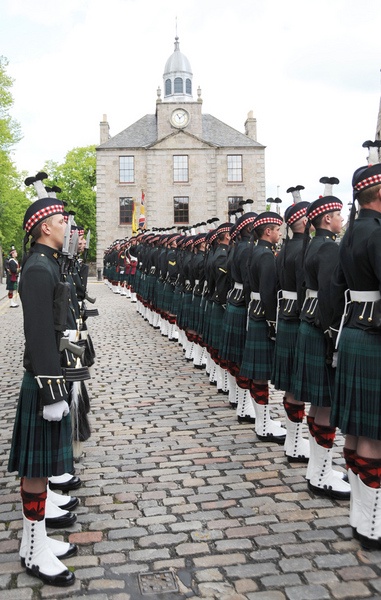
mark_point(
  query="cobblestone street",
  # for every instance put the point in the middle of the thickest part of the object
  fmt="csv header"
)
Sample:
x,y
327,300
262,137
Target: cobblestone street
x,y
177,495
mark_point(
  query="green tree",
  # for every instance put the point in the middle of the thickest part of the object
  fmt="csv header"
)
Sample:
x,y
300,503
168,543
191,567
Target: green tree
x,y
13,202
77,180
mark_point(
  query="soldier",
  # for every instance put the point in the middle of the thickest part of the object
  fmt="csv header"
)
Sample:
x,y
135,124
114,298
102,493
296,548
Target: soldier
x,y
291,297
258,353
356,406
12,268
41,443
313,375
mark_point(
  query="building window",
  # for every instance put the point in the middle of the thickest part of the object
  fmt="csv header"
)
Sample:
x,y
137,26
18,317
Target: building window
x,y
126,169
168,87
125,210
235,167
178,85
233,202
180,169
188,86
181,209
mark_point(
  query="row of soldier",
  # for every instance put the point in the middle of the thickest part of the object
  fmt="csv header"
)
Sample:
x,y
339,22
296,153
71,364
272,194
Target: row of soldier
x,y
52,419
251,315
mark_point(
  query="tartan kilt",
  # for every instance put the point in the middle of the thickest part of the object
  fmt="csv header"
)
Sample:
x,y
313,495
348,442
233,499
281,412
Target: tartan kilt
x,y
201,316
312,379
356,407
183,316
39,448
233,333
132,281
150,288
158,295
215,324
194,314
167,299
206,335
175,300
258,354
285,344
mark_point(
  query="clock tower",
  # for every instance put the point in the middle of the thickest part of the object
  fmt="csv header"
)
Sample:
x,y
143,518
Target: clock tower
x,y
177,110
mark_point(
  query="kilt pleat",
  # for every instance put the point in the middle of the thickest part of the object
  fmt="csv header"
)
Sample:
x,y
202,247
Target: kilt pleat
x,y
206,336
312,379
356,408
284,354
183,317
39,448
258,353
233,333
215,323
167,300
194,313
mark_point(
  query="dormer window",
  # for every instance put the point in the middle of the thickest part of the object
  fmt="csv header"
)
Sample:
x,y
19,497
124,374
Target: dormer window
x,y
178,85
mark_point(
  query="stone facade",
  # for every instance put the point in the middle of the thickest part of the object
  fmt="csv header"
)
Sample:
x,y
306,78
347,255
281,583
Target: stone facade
x,y
153,141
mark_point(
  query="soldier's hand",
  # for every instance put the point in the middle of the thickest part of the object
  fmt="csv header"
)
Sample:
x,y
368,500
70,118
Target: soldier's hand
x,y
55,412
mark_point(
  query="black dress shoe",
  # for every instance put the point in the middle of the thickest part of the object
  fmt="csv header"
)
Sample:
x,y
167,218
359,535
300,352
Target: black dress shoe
x,y
71,484
72,551
62,522
73,502
63,579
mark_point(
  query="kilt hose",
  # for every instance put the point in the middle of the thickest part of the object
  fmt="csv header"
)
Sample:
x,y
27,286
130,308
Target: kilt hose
x,y
356,407
258,354
284,354
39,448
233,334
312,379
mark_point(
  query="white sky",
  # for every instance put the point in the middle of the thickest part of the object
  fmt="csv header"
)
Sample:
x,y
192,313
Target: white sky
x,y
309,69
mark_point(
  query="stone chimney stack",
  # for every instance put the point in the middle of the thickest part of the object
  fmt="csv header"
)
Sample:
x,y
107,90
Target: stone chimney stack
x,y
104,130
251,126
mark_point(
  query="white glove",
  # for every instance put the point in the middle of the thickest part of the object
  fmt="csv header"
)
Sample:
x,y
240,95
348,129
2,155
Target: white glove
x,y
55,412
334,360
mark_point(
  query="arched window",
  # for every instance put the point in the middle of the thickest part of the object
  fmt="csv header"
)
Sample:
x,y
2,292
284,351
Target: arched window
x,y
188,87
178,85
168,87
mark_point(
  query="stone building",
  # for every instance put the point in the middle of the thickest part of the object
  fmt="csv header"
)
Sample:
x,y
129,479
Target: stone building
x,y
188,166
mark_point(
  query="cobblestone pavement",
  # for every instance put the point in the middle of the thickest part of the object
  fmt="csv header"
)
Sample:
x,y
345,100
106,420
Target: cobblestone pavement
x,y
176,493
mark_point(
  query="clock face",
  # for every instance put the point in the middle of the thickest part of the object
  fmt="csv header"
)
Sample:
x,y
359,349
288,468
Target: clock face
x,y
180,118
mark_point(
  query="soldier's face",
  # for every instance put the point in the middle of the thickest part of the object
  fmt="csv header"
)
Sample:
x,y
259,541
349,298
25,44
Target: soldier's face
x,y
56,228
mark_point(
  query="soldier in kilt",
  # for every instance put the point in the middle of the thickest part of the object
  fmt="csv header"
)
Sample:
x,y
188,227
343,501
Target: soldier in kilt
x,y
41,442
235,319
258,353
313,375
290,298
356,406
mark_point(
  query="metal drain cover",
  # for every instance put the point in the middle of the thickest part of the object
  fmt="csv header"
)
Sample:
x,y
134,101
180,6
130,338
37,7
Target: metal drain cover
x,y
156,583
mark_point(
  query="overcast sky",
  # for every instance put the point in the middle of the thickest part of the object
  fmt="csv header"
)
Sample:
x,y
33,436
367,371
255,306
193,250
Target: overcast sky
x,y
309,70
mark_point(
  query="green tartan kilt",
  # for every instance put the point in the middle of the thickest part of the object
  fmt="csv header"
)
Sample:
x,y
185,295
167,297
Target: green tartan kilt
x,y
233,335
215,324
175,300
312,379
39,448
158,295
138,283
183,315
285,344
194,312
150,288
258,354
201,316
356,407
206,335
167,299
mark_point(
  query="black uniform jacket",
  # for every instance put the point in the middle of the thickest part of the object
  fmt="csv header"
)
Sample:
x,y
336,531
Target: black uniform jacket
x,y
238,270
261,278
39,277
359,269
289,265
219,275
321,259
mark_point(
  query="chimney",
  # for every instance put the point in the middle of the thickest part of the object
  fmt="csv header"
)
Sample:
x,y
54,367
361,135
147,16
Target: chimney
x,y
251,126
104,130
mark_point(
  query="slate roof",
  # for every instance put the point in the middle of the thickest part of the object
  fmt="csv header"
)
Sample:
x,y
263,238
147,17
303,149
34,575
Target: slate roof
x,y
143,133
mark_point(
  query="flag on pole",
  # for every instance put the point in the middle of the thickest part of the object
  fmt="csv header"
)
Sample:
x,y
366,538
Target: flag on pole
x,y
142,216
134,224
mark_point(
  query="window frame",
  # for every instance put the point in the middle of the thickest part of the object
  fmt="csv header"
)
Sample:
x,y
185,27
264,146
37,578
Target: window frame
x,y
179,219
233,172
127,209
178,169
125,169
